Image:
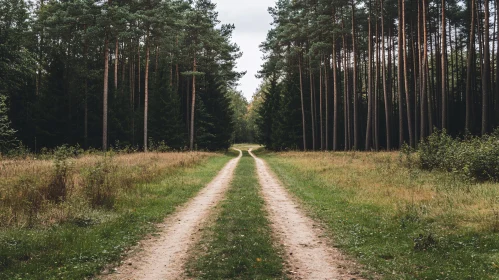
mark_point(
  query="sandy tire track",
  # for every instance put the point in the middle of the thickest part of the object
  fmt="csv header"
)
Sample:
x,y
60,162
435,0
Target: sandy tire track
x,y
163,257
307,253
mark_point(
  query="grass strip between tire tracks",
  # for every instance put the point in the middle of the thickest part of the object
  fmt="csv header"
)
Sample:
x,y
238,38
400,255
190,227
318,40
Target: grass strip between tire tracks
x,y
239,245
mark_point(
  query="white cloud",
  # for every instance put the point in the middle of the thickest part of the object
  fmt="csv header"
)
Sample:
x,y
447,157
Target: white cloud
x,y
252,23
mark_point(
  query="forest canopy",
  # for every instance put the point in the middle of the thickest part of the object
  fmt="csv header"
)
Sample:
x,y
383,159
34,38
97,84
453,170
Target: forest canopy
x,y
116,73
376,74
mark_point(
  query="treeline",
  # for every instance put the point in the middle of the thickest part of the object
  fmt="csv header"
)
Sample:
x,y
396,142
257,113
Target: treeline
x,y
375,74
116,73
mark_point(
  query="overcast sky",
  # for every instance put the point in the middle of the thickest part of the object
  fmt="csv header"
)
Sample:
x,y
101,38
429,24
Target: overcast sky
x,y
252,22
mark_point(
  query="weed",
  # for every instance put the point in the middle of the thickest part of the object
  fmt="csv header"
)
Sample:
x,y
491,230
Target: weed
x,y
424,242
99,188
60,181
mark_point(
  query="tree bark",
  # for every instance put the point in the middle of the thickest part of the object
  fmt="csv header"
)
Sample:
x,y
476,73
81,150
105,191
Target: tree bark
x,y
406,79
312,109
486,71
116,52
320,106
193,102
444,68
326,91
335,98
385,89
302,104
105,94
85,108
469,68
369,84
424,96
354,84
146,93
400,73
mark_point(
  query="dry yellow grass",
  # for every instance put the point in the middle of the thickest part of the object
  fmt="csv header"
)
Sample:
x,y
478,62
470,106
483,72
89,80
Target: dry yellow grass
x,y
383,179
24,183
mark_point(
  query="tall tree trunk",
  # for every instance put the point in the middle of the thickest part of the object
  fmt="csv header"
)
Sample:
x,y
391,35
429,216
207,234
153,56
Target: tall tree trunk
x,y
335,98
85,109
326,91
116,53
304,135
346,93
354,83
146,93
385,82
369,84
444,68
187,118
312,109
424,89
139,77
193,101
123,69
486,71
469,71
321,105
105,95
400,73
406,79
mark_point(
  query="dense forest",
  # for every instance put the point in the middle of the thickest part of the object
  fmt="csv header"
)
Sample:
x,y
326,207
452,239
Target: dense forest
x,y
119,73
375,74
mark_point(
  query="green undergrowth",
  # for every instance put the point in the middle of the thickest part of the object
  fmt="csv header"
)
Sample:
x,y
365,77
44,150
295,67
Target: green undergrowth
x,y
239,244
81,248
390,243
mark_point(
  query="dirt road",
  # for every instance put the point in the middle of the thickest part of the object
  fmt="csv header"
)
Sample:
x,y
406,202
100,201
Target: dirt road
x,y
308,254
163,257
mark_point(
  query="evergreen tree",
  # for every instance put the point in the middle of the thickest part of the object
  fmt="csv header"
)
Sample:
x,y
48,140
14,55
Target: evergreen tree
x,y
8,140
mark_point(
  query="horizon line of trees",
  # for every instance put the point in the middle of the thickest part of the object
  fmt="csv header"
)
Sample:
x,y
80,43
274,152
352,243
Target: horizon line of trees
x,y
375,74
116,72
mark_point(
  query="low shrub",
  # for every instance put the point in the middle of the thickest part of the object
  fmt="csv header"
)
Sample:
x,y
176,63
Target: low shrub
x,y
99,186
60,181
475,157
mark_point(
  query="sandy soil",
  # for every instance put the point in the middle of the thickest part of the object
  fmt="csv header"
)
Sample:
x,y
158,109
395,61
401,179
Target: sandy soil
x,y
307,253
163,257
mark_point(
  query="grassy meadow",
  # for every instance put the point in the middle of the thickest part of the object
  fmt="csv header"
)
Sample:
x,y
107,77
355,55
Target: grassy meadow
x,y
68,218
398,221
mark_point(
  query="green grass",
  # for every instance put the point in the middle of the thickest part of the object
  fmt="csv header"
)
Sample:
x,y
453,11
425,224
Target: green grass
x,y
81,248
391,241
239,244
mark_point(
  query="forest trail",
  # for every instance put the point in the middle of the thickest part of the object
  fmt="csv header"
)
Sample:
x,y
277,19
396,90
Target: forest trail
x,y
163,257
307,252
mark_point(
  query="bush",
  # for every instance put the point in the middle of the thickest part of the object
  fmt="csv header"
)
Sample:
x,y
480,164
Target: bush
x,y
99,187
160,147
60,181
475,157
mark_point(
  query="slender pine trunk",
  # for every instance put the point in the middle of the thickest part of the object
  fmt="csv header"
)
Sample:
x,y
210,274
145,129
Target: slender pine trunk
x,y
146,93
469,69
